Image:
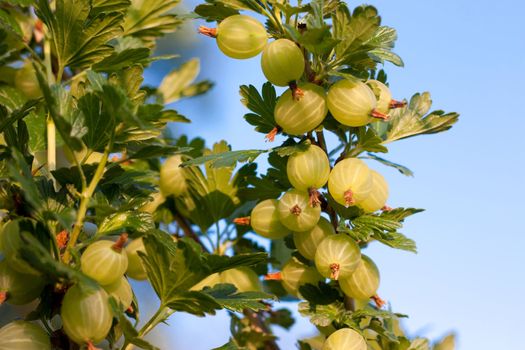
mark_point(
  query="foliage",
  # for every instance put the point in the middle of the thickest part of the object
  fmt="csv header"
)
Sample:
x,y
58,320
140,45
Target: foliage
x,y
83,142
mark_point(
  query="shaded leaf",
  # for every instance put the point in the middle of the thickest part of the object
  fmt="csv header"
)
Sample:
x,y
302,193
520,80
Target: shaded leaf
x,y
225,295
262,106
401,168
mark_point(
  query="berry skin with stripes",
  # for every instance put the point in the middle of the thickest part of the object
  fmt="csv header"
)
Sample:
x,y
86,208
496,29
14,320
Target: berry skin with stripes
x,y
345,339
22,335
265,220
104,261
350,182
352,103
18,288
307,242
135,268
121,291
11,243
86,316
173,177
309,169
337,256
364,282
296,212
378,195
241,37
282,62
298,116
296,274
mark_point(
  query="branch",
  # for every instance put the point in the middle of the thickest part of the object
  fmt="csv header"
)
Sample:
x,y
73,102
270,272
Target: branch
x,y
256,320
188,231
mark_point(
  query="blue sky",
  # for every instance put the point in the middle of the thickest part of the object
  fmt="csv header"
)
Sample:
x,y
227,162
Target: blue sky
x,y
468,275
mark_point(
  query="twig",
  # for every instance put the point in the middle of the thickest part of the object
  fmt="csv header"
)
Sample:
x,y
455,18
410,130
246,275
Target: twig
x,y
188,231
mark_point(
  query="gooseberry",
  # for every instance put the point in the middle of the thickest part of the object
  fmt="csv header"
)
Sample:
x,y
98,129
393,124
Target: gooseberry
x,y
352,103
382,94
345,339
363,282
104,261
337,256
209,281
135,268
27,82
296,117
86,316
241,36
295,211
309,169
296,274
243,278
378,195
307,242
350,181
173,177
265,221
121,291
11,244
282,62
154,203
18,288
22,335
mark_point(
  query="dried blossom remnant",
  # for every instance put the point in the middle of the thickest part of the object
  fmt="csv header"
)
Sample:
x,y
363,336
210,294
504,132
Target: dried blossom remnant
x,y
397,104
62,239
386,208
270,137
315,197
3,297
297,93
376,114
211,32
334,271
378,301
296,210
90,346
273,276
119,244
244,221
349,198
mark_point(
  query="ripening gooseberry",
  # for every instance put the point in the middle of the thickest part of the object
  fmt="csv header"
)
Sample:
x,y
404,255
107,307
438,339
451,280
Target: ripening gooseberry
x,y
121,291
296,274
345,339
352,103
241,36
152,205
282,62
86,316
377,197
27,82
209,281
309,169
104,261
173,177
11,244
295,211
337,256
350,182
243,278
307,242
135,268
296,117
382,94
22,335
363,282
18,288
265,221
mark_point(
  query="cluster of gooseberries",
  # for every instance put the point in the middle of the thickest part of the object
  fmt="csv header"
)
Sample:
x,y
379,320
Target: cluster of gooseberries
x,y
300,110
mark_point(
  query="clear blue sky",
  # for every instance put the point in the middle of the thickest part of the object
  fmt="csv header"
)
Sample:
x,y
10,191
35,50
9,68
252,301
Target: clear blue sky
x,y
468,275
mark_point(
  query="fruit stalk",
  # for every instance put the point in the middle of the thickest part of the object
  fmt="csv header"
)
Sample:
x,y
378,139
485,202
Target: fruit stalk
x,y
211,32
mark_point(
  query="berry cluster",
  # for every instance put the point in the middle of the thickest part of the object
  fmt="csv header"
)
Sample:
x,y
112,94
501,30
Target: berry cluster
x,y
299,111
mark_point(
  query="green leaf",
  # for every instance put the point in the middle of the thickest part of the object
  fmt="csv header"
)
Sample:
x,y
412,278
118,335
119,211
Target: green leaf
x,y
355,29
220,263
402,169
367,141
9,22
149,19
225,159
413,120
99,121
322,315
262,106
419,344
155,151
286,151
229,346
322,294
178,83
123,59
225,295
215,10
447,343
129,221
80,34
396,240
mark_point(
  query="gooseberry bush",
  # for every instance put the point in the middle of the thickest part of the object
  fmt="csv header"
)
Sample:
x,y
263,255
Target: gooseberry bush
x,y
96,193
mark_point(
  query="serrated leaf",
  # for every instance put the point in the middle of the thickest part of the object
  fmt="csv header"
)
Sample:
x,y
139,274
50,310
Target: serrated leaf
x,y
286,151
396,240
419,344
322,294
367,141
354,29
178,83
123,59
447,343
413,120
225,159
215,10
401,168
225,295
323,315
262,106
129,221
229,346
155,151
220,263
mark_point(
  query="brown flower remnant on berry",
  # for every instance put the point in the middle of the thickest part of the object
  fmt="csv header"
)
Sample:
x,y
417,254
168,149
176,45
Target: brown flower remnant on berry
x,y
378,301
211,32
376,114
38,32
119,244
274,276
314,200
296,210
397,104
90,346
386,208
270,137
297,93
244,221
3,297
349,198
334,271
62,239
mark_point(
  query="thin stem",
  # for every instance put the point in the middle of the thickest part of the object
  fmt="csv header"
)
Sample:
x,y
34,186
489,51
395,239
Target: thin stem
x,y
218,233
160,315
188,231
86,195
50,125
